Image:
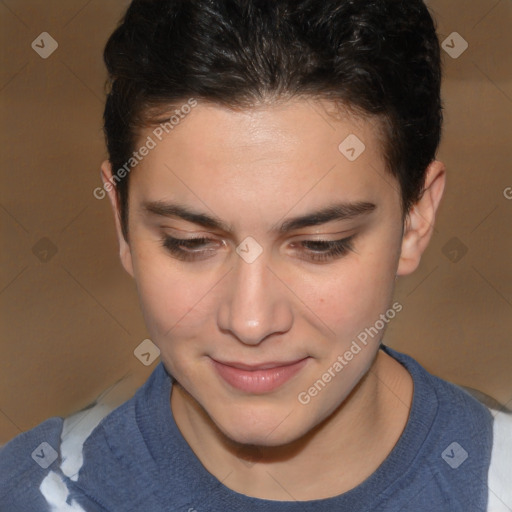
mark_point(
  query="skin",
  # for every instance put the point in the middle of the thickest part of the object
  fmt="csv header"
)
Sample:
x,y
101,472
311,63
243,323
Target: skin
x,y
253,170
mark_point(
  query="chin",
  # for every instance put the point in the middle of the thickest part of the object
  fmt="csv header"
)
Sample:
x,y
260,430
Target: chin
x,y
266,428
260,438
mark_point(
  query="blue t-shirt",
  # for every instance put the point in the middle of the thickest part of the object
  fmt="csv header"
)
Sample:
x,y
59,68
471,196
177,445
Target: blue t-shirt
x,y
135,459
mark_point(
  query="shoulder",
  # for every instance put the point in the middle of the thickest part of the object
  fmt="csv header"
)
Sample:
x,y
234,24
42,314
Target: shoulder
x,y
453,434
24,463
35,466
481,434
76,463
456,409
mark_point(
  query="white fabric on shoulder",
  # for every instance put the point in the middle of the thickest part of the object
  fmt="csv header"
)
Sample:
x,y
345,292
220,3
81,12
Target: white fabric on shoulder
x,y
78,428
500,469
56,493
75,431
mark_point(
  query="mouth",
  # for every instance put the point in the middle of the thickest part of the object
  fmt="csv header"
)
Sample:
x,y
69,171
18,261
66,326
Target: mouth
x,y
258,379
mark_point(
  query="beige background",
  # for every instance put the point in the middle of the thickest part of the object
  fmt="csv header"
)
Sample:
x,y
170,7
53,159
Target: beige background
x,y
70,324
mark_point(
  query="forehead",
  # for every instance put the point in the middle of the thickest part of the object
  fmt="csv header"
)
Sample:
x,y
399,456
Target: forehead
x,y
270,157
284,128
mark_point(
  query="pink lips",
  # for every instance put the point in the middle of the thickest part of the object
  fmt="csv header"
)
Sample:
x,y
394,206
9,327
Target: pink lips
x,y
260,378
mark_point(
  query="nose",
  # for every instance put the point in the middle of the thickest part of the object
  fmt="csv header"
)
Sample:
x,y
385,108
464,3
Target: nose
x,y
255,305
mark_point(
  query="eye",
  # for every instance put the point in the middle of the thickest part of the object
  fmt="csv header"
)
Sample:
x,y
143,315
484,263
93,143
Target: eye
x,y
325,250
190,249
200,248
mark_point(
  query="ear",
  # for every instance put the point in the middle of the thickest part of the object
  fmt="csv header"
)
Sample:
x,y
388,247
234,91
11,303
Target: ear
x,y
419,223
124,248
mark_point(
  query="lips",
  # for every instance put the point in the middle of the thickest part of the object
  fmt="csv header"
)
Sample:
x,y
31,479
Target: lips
x,y
260,378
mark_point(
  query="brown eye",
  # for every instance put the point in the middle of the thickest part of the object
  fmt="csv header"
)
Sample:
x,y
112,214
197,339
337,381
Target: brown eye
x,y
326,250
189,249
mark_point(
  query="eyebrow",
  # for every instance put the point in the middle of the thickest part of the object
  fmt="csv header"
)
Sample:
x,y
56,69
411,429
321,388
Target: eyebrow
x,y
333,212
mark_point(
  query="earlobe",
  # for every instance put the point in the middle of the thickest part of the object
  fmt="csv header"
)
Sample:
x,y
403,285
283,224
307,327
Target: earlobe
x,y
124,248
419,223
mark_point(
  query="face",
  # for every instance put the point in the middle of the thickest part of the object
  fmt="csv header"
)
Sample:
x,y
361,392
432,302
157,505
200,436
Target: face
x,y
260,253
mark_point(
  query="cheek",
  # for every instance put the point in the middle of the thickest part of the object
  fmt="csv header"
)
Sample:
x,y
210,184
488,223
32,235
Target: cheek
x,y
349,297
171,296
175,306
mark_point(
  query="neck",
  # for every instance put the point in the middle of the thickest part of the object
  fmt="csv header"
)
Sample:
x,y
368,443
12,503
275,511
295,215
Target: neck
x,y
345,448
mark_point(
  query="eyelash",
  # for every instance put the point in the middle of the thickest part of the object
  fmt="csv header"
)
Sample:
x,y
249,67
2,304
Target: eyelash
x,y
329,249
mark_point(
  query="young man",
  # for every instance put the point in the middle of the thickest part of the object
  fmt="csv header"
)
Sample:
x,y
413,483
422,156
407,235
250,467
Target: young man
x,y
272,171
